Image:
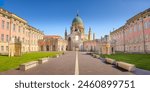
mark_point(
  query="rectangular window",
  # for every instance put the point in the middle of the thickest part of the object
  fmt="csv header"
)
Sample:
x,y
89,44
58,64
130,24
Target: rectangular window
x,y
2,37
23,40
18,38
130,31
146,47
135,28
7,25
3,24
146,37
145,25
140,27
19,29
7,48
23,30
2,48
14,27
7,38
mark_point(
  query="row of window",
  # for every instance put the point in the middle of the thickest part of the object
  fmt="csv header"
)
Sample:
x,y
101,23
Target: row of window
x,y
27,49
6,48
147,37
132,48
138,39
3,25
34,42
7,25
2,38
147,24
3,49
137,48
136,27
20,29
34,48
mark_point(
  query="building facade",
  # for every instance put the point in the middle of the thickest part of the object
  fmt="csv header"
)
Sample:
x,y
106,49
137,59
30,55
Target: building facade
x,y
52,43
77,35
105,45
16,29
100,46
92,45
134,36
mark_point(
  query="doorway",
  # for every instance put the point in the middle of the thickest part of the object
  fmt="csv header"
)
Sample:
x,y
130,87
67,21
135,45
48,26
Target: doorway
x,y
69,43
47,48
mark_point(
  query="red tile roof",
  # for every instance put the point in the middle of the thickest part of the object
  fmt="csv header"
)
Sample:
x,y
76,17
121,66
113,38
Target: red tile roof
x,y
52,36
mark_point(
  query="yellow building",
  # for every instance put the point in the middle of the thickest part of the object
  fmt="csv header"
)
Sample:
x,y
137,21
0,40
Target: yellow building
x,y
52,43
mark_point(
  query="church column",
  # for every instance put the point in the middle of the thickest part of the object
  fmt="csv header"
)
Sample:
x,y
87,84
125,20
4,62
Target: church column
x,y
93,36
90,34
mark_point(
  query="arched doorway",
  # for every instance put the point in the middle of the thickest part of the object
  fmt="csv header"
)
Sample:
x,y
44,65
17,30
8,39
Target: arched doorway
x,y
112,49
47,48
42,48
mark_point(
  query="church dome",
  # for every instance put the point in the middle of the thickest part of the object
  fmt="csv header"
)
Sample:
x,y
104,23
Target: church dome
x,y
77,20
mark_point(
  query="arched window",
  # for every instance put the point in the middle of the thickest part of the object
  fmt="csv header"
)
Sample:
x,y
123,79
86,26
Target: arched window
x,y
76,30
76,37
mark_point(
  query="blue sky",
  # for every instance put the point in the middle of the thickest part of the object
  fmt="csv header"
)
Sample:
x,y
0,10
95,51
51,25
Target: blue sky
x,y
1,2
53,16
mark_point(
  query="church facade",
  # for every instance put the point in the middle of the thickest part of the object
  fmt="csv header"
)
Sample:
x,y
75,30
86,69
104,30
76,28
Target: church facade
x,y
77,35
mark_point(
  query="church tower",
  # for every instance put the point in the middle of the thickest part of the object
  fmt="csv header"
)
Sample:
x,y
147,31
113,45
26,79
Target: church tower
x,y
65,34
90,34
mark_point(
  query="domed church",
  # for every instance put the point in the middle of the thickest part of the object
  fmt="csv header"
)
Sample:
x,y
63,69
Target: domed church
x,y
77,35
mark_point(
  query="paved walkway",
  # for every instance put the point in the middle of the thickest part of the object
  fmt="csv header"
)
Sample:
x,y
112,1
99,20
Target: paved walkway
x,y
69,64
89,65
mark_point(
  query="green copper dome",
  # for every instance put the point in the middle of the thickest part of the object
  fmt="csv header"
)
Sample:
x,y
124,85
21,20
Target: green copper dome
x,y
77,20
